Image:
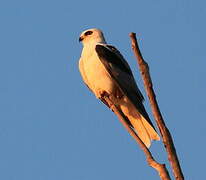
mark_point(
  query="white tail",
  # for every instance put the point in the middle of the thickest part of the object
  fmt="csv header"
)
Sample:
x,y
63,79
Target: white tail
x,y
144,130
141,126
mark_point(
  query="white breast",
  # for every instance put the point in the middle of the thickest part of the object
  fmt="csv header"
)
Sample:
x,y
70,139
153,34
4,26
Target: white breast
x,y
96,74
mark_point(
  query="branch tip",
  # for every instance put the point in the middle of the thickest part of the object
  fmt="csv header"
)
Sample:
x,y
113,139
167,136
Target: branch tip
x,y
164,131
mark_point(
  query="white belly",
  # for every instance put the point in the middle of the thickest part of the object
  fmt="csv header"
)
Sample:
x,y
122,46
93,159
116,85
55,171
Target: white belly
x,y
97,76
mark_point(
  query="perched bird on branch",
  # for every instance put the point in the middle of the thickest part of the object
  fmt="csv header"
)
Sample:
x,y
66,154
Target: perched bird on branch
x,y
107,73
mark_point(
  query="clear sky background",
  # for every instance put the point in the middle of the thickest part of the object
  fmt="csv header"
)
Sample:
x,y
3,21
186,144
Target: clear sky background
x,y
53,128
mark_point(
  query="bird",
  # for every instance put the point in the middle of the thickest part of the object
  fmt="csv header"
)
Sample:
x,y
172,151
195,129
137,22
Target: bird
x,y
105,71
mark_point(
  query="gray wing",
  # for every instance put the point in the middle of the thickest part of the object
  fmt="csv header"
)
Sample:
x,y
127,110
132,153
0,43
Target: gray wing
x,y
120,71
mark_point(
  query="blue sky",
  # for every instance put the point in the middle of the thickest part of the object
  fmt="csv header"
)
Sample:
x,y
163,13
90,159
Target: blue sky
x,y
52,127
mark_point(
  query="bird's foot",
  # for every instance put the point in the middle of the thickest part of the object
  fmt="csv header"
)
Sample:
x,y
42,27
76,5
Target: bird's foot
x,y
101,95
105,98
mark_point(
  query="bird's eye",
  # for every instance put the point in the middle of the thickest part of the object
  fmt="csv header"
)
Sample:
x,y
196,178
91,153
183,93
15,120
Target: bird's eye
x,y
88,33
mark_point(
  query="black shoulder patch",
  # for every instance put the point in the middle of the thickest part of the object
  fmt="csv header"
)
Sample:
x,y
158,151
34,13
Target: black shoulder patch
x,y
111,57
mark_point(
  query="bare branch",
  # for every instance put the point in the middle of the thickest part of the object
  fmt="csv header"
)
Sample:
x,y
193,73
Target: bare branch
x,y
160,168
166,136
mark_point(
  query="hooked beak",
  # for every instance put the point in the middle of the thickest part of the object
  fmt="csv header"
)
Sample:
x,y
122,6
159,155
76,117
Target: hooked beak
x,y
80,38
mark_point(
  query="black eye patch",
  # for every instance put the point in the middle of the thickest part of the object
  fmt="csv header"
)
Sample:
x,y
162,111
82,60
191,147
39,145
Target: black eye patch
x,y
88,33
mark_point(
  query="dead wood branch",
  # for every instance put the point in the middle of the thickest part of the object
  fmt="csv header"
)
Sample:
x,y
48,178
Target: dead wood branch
x,y
160,168
166,136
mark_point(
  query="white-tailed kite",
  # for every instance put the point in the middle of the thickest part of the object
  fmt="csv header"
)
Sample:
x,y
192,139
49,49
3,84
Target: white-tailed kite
x,y
104,70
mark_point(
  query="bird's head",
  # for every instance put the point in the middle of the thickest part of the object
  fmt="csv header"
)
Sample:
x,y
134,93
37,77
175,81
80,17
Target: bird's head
x,y
92,36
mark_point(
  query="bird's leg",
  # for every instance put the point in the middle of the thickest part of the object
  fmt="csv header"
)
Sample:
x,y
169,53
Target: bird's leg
x,y
102,95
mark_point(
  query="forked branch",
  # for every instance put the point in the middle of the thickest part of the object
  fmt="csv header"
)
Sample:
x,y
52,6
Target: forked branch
x,y
160,168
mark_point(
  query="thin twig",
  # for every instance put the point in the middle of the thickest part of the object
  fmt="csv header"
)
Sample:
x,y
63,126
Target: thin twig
x,y
166,136
161,168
